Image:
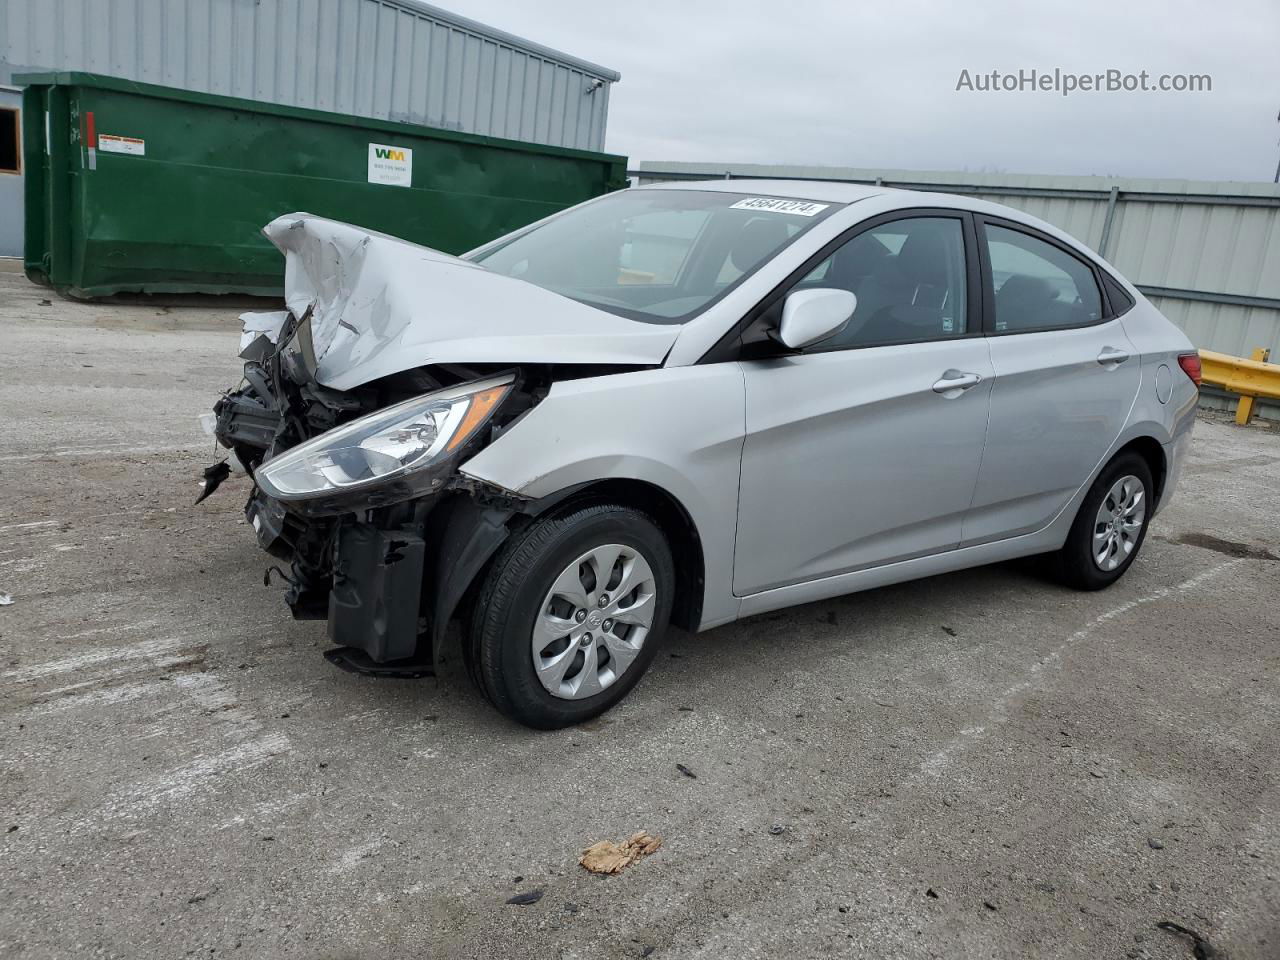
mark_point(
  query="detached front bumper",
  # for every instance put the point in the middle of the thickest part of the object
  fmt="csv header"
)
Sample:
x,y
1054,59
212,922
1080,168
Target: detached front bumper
x,y
389,580
388,567
377,590
365,578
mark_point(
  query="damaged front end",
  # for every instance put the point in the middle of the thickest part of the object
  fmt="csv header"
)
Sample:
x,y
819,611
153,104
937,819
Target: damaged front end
x,y
392,366
357,492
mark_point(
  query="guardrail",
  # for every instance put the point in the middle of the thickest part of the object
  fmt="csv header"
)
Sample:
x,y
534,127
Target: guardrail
x,y
1251,378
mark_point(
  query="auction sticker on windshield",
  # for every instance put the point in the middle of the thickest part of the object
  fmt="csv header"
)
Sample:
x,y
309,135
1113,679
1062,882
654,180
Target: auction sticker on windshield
x,y
801,208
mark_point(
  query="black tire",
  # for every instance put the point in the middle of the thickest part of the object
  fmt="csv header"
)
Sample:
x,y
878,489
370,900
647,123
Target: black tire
x,y
498,651
1074,565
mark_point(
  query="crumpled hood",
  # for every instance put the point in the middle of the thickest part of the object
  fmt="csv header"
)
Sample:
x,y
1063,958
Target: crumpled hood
x,y
382,305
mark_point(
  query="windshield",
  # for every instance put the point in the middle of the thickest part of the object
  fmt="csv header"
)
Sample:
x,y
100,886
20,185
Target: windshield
x,y
660,256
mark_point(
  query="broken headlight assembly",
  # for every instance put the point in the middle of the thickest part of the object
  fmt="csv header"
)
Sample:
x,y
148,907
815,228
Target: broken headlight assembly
x,y
398,453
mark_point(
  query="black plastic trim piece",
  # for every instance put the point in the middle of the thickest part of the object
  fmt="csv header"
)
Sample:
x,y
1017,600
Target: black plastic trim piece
x,y
1119,300
377,587
355,660
464,535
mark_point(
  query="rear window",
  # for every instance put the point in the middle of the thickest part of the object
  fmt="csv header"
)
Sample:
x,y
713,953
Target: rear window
x,y
660,256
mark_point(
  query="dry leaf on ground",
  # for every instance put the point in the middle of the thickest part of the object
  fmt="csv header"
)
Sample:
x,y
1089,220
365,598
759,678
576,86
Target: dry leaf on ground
x,y
609,857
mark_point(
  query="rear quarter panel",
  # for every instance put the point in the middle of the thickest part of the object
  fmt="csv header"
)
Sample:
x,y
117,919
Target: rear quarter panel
x,y
1167,399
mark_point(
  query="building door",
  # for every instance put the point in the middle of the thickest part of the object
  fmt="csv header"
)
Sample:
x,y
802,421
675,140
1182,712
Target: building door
x,y
10,172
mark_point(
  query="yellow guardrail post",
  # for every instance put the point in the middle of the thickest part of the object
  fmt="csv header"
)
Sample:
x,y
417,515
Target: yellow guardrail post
x,y
1244,409
1251,378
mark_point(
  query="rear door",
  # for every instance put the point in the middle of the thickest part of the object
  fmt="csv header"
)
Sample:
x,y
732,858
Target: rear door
x,y
864,449
1066,377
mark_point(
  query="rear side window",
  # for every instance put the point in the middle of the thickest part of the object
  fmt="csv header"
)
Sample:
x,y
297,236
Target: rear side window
x,y
1038,286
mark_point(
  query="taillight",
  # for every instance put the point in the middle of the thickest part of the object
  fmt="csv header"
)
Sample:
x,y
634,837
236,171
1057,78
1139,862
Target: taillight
x,y
1190,364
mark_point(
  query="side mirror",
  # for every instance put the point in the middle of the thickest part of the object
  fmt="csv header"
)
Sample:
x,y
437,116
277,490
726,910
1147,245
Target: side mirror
x,y
810,316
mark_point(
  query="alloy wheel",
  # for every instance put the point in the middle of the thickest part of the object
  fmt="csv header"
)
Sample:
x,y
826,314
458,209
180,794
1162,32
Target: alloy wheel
x,y
593,621
1118,525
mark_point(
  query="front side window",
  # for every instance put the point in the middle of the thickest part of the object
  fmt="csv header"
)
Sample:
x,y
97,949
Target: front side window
x,y
660,256
909,278
1038,285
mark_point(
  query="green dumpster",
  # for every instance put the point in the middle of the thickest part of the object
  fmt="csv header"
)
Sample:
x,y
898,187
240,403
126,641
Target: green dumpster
x,y
135,187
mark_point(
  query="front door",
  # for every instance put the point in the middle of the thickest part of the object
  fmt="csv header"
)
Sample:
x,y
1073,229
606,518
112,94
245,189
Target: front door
x,y
865,449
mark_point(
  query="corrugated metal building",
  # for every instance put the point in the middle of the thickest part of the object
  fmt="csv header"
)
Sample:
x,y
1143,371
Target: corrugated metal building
x,y
388,59
1207,253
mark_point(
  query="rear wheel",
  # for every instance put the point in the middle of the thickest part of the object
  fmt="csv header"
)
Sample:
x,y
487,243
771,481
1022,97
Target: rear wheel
x,y
1110,526
570,614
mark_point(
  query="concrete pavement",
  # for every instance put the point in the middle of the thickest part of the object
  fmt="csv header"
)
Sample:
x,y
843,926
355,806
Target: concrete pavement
x,y
976,765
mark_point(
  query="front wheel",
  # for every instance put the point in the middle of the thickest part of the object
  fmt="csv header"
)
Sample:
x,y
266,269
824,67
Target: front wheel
x,y
571,614
1110,527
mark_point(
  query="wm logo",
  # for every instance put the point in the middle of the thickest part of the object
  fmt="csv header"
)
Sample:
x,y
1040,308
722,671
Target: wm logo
x,y
385,153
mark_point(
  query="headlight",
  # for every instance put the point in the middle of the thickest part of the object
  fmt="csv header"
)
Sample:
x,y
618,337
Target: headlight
x,y
401,448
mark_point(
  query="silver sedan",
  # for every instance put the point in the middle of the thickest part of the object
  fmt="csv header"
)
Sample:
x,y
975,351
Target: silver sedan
x,y
689,403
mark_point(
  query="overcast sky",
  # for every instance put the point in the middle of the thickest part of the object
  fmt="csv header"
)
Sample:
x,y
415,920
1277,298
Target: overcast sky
x,y
848,83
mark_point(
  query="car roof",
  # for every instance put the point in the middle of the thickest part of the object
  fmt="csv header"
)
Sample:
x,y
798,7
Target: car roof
x,y
822,190
832,191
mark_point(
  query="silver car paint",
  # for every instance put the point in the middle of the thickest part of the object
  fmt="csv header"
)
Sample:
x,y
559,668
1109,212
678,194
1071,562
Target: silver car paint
x,y
679,428
1051,395
1148,418
1169,420
851,459
380,305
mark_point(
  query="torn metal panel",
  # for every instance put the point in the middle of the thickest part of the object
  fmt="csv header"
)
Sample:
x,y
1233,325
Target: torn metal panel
x,y
264,326
380,305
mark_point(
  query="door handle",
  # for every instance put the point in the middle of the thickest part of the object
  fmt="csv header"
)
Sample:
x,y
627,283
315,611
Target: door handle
x,y
955,382
1111,357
